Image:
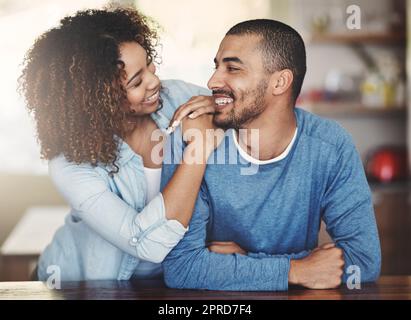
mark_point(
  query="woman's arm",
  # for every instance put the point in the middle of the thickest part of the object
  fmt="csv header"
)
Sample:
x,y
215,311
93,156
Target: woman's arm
x,y
149,234
181,192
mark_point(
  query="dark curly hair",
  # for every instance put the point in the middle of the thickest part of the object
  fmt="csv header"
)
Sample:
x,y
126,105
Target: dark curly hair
x,y
71,82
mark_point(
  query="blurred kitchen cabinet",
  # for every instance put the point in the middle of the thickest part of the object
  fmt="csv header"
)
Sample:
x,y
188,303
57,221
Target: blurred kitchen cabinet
x,y
22,248
392,206
18,267
393,215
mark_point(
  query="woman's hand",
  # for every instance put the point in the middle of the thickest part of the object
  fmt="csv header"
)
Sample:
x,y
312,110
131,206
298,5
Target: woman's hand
x,y
229,247
193,108
201,134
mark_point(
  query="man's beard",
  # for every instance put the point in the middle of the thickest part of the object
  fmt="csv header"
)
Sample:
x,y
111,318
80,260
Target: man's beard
x,y
253,110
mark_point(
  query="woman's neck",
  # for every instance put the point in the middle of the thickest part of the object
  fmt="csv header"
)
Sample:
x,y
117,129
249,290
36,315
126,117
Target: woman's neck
x,y
139,140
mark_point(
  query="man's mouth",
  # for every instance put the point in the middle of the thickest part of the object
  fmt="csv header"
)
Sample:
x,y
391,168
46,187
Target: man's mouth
x,y
222,99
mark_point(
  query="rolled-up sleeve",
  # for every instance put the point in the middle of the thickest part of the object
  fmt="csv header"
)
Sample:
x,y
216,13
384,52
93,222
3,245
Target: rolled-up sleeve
x,y
147,234
153,235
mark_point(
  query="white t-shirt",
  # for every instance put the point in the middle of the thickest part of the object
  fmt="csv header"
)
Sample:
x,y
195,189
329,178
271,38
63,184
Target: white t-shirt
x,y
153,179
146,269
250,159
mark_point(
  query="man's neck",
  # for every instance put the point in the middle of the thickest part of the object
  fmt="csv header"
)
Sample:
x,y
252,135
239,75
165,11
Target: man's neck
x,y
276,127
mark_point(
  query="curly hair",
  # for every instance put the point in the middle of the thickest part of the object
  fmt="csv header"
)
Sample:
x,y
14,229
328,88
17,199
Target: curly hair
x,y
71,83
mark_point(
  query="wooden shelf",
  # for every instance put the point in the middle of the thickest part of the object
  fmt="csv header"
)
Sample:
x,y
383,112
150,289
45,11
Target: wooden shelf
x,y
355,37
349,110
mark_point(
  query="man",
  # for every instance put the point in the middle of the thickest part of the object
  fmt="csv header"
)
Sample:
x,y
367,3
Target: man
x,y
308,170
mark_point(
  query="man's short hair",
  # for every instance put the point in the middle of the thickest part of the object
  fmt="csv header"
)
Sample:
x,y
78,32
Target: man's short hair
x,y
282,48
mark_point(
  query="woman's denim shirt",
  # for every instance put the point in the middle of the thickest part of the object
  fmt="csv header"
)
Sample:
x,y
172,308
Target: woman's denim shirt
x,y
110,229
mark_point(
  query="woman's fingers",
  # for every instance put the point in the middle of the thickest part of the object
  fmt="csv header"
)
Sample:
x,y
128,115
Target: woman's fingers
x,y
194,105
199,104
179,110
201,111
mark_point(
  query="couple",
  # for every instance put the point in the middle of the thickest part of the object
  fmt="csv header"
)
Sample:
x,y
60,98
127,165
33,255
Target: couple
x,y
97,102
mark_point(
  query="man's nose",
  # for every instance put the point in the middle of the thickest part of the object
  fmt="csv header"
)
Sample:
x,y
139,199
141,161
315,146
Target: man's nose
x,y
216,81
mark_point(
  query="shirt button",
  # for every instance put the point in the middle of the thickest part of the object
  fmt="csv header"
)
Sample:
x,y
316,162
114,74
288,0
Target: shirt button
x,y
134,240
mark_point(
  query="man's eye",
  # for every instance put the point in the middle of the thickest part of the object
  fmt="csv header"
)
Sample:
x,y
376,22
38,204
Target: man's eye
x,y
232,69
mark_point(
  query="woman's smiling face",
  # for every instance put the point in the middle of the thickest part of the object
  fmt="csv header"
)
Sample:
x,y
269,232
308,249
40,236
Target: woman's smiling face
x,y
141,82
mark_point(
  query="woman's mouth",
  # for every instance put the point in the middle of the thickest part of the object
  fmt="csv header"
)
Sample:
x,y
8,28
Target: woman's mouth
x,y
152,99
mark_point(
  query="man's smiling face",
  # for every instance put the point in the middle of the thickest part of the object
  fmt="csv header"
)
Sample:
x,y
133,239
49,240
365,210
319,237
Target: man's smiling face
x,y
239,82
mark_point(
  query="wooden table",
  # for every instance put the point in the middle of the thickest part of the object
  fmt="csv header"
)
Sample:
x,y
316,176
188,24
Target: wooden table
x,y
387,288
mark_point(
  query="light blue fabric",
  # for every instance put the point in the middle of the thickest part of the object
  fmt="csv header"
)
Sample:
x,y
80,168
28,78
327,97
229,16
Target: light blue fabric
x,y
110,229
275,214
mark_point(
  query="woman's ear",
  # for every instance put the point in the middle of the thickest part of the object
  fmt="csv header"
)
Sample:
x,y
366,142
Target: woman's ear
x,y
281,81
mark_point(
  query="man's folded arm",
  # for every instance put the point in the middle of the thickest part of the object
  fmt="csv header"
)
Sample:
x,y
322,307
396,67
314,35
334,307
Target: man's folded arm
x,y
349,216
191,265
292,256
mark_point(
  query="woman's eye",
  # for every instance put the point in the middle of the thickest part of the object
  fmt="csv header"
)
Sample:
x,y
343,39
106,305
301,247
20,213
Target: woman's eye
x,y
137,84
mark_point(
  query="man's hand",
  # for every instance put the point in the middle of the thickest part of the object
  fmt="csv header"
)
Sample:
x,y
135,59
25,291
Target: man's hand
x,y
322,269
225,247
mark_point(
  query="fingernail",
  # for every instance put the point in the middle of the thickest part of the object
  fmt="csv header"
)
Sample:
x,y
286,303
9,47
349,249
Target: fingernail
x,y
169,130
175,123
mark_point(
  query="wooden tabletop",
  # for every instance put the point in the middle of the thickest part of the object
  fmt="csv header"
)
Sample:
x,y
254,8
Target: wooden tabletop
x,y
387,288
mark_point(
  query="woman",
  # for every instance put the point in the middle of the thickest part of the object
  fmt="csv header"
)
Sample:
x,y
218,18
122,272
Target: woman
x,y
91,86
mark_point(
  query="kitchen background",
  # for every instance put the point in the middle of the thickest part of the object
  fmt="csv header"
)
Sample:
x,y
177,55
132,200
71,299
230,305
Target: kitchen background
x,y
356,76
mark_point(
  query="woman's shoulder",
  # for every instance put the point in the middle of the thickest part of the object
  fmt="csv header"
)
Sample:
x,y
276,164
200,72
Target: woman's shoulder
x,y
60,168
180,87
176,92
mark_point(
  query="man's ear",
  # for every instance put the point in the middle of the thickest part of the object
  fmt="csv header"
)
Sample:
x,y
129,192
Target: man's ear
x,y
281,81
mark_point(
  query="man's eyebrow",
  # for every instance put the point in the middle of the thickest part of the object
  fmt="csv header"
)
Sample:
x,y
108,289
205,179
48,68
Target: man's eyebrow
x,y
230,59
133,77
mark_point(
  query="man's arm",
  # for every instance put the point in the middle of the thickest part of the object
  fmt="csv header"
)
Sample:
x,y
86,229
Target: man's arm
x,y
191,265
349,215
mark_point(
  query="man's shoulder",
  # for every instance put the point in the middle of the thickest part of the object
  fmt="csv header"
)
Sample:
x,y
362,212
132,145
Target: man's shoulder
x,y
325,130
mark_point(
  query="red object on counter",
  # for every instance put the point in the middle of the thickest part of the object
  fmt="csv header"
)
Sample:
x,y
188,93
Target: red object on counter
x,y
388,164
